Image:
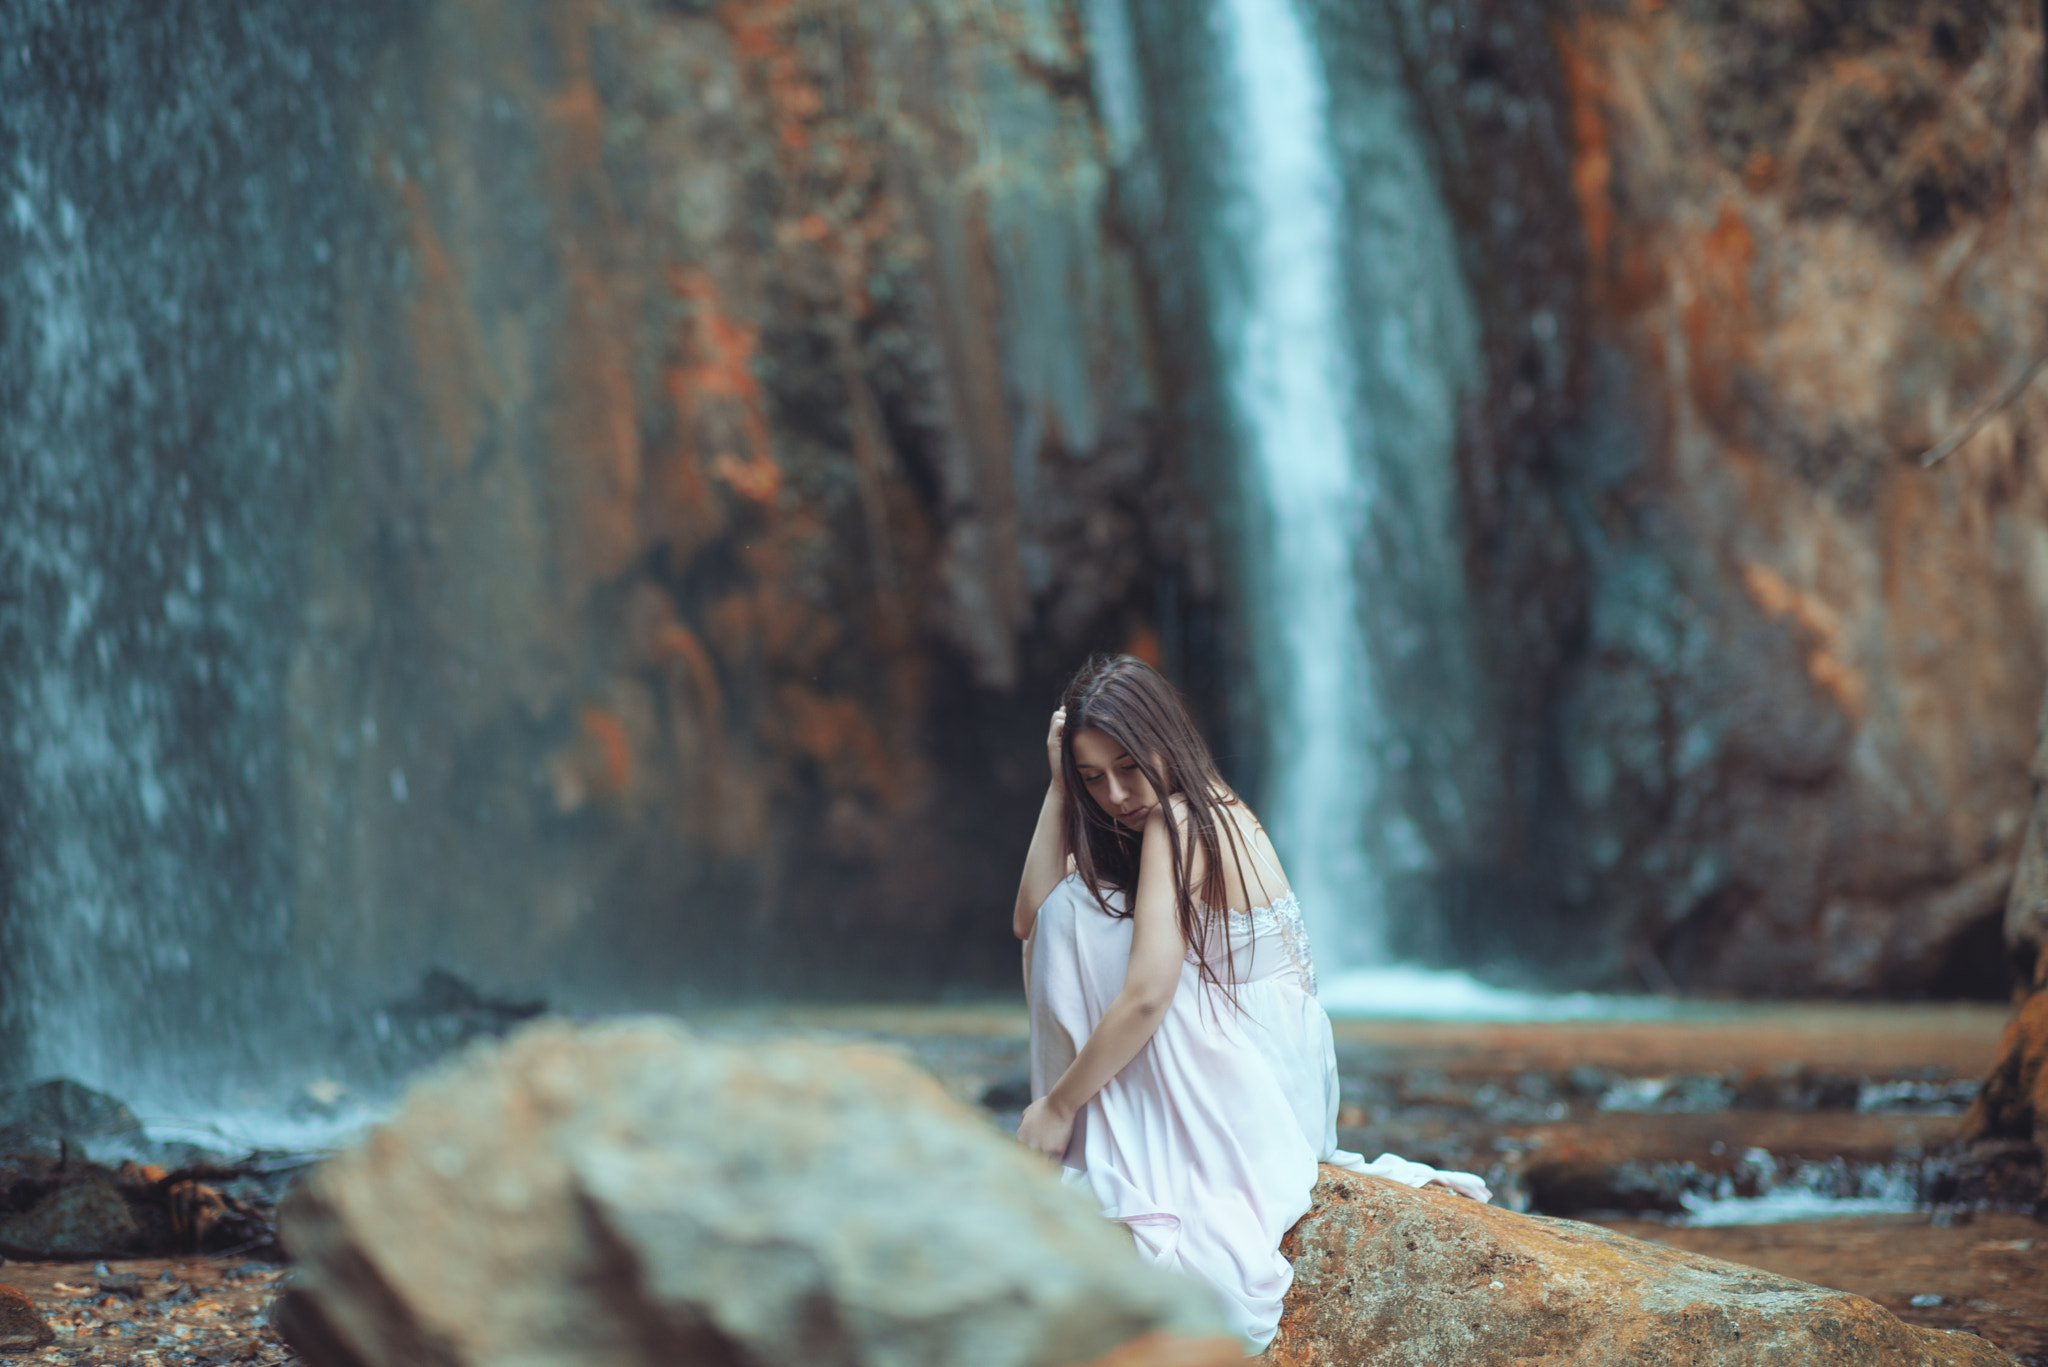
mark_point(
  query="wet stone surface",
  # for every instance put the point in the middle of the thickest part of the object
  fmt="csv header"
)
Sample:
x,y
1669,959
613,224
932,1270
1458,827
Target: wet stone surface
x,y
1985,1272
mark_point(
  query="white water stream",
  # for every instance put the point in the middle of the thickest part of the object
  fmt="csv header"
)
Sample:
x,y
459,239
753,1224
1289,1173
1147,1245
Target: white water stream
x,y
1291,384
1346,336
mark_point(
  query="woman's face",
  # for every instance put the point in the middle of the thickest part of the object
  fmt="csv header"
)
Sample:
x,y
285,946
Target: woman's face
x,y
1112,778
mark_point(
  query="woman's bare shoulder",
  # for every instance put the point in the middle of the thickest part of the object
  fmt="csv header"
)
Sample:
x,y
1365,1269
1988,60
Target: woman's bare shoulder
x,y
1264,880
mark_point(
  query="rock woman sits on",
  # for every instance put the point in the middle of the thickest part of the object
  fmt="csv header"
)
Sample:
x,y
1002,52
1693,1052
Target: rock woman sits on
x,y
1181,1068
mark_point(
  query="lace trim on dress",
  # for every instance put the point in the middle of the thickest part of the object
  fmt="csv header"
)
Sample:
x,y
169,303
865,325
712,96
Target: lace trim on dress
x,y
1283,921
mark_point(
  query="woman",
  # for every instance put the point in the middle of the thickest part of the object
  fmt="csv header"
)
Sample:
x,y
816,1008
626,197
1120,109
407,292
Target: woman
x,y
1181,1068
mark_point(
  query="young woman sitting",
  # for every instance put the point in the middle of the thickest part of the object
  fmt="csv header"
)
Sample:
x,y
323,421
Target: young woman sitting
x,y
1181,1068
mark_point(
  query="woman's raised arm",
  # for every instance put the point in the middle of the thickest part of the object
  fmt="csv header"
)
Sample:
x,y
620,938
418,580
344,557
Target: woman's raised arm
x,y
1157,952
1045,864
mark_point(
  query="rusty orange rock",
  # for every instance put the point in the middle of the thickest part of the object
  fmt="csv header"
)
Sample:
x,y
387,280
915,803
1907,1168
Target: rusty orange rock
x,y
1386,1276
22,1326
2013,1103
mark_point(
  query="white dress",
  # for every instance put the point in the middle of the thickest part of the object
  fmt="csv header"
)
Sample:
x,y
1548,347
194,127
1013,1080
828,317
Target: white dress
x,y
1206,1144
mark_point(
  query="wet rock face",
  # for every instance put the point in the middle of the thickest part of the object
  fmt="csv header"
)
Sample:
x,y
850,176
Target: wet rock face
x,y
576,493
728,461
1784,743
634,1194
646,465
622,525
1389,1276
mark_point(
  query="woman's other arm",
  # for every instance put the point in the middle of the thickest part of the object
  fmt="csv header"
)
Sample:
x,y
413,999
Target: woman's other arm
x,y
1157,953
1045,864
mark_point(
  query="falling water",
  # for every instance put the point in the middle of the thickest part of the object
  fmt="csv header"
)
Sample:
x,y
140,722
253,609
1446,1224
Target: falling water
x,y
1345,335
1291,385
167,218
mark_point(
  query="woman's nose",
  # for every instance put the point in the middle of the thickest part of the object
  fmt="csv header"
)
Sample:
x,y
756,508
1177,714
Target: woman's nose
x,y
1116,790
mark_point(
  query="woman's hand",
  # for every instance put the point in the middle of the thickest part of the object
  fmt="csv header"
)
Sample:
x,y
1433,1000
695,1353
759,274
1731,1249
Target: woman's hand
x,y
1152,979
1053,736
1045,1130
1045,863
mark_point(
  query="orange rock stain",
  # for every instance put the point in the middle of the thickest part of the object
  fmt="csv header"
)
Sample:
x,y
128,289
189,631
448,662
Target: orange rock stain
x,y
1719,320
676,644
613,772
759,32
836,732
1827,661
1586,95
715,391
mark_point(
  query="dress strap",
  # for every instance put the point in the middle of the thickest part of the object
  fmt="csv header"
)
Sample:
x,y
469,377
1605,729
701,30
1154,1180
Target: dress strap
x,y
1253,840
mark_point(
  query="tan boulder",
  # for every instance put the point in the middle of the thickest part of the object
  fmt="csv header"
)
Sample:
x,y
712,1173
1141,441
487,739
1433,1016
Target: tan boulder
x,y
1386,1276
634,1194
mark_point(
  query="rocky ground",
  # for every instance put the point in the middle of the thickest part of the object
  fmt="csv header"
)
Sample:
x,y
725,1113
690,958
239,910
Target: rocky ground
x,y
1986,1273
1654,1127
1674,1131
152,1312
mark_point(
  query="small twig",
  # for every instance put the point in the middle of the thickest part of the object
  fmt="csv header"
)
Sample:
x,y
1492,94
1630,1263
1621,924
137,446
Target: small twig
x,y
1969,429
239,1249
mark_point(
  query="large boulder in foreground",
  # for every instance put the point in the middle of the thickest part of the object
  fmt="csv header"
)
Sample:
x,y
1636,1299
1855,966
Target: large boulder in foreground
x,y
1386,1276
632,1194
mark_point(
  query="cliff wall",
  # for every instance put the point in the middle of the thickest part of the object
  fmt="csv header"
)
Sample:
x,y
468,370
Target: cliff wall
x,y
598,493
1788,674
745,416
595,495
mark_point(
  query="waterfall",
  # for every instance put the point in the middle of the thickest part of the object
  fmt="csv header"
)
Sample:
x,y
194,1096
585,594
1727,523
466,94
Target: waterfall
x,y
1344,335
1290,385
168,216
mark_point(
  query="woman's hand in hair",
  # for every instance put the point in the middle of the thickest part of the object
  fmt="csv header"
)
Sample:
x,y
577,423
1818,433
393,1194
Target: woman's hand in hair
x,y
1045,863
1044,1129
1053,736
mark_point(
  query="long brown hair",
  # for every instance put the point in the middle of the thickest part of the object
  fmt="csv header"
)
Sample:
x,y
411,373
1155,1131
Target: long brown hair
x,y
1131,703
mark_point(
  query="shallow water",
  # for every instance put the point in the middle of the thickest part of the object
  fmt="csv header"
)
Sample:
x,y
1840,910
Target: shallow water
x,y
1406,993
1785,1207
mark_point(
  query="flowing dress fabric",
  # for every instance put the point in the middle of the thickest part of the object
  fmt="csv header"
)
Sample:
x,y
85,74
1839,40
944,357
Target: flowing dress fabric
x,y
1206,1144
